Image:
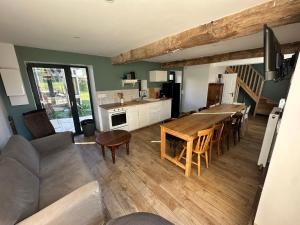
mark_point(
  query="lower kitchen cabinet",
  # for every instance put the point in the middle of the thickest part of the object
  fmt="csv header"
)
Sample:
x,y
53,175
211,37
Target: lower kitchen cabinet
x,y
143,118
143,115
165,112
154,112
132,116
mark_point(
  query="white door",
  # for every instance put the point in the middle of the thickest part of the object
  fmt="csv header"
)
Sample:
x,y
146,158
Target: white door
x,y
229,81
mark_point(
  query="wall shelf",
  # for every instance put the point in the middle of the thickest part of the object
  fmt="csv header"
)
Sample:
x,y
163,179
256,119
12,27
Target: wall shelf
x,y
133,82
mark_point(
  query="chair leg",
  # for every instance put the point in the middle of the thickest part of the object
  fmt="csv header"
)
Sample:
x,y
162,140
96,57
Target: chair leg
x,y
206,159
181,153
210,151
219,149
199,165
227,142
234,135
239,134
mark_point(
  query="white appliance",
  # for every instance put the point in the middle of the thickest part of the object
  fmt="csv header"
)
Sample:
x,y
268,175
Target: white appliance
x,y
117,119
269,138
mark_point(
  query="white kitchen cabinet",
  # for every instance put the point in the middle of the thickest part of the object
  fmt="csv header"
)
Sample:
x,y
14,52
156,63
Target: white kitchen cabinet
x,y
142,115
143,112
165,112
154,112
12,81
132,116
8,58
158,76
11,76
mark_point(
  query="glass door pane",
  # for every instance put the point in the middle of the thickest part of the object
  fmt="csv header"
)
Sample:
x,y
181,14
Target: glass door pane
x,y
82,93
53,95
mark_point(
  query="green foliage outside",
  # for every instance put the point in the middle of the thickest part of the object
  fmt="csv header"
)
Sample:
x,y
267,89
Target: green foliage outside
x,y
84,107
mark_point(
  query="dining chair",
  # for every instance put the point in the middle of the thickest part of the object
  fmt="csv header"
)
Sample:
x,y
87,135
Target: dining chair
x,y
244,125
236,126
201,149
216,139
173,141
227,130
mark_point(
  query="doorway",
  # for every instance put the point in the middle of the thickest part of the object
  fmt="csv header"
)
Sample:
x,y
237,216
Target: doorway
x,y
229,80
64,92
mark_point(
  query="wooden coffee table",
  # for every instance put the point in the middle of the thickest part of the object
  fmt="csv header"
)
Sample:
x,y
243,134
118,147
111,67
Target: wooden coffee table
x,y
112,140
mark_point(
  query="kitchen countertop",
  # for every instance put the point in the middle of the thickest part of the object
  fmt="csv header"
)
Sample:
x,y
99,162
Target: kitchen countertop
x,y
130,103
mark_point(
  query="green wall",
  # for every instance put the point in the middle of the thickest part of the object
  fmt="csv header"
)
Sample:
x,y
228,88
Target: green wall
x,y
274,90
271,89
107,76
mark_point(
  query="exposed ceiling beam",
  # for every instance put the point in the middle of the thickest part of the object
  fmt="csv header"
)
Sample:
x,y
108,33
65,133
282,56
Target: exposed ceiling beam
x,y
249,21
245,54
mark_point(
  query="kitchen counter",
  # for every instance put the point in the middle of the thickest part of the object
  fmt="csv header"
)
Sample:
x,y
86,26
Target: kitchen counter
x,y
130,103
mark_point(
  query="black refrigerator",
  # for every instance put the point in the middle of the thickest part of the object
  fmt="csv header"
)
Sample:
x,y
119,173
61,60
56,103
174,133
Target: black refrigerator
x,y
172,90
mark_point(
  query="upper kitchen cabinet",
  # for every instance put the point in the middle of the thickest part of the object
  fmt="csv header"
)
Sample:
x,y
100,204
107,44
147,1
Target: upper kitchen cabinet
x,y
8,58
11,76
158,76
12,81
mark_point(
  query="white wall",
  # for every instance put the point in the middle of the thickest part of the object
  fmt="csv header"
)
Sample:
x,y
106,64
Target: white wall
x,y
280,199
5,131
195,84
214,70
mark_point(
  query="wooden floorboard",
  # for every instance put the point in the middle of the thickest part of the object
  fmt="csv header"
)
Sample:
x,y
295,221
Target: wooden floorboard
x,y
223,194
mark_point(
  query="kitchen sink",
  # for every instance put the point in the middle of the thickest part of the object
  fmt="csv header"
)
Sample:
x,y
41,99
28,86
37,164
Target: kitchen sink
x,y
152,99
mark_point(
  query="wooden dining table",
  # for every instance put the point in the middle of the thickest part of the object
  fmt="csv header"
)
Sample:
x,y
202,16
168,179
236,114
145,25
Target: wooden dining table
x,y
186,128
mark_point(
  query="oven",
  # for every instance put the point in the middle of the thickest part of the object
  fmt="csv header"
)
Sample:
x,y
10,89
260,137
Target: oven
x,y
117,119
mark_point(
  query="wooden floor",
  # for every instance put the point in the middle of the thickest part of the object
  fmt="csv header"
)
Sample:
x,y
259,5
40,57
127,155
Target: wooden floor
x,y
223,194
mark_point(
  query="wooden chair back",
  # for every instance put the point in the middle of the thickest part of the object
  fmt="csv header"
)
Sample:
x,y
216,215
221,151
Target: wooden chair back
x,y
237,119
218,131
204,139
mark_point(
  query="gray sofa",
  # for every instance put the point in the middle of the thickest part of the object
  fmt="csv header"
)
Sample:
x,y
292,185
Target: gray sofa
x,y
46,182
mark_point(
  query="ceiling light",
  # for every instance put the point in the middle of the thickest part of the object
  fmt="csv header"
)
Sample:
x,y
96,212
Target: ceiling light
x,y
76,37
110,1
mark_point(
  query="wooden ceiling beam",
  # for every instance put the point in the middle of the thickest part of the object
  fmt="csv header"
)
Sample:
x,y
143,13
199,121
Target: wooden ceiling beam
x,y
249,21
245,54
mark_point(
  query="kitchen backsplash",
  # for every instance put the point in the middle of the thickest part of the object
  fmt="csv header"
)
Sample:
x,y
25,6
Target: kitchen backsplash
x,y
108,97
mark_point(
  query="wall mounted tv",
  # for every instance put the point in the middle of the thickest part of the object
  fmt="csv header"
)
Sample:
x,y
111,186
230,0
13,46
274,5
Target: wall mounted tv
x,y
276,67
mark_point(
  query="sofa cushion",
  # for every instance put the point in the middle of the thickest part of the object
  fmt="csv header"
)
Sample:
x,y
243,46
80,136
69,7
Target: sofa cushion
x,y
22,150
19,191
61,173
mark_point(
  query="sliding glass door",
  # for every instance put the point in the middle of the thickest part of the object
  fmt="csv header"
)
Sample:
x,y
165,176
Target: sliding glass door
x,y
64,92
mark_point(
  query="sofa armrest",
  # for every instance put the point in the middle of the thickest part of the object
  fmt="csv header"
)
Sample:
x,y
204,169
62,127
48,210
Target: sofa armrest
x,y
53,142
83,206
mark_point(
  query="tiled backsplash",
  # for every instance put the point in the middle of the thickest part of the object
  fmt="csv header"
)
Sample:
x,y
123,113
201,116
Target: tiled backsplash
x,y
108,97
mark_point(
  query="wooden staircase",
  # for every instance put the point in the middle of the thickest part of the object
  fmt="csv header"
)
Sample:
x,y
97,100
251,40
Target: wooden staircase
x,y
249,80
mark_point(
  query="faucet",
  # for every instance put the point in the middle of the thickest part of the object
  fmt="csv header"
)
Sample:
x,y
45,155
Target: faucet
x,y
142,94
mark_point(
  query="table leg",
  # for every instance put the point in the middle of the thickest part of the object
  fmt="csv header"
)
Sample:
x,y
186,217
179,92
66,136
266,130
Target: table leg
x,y
127,148
113,154
103,151
162,143
188,162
